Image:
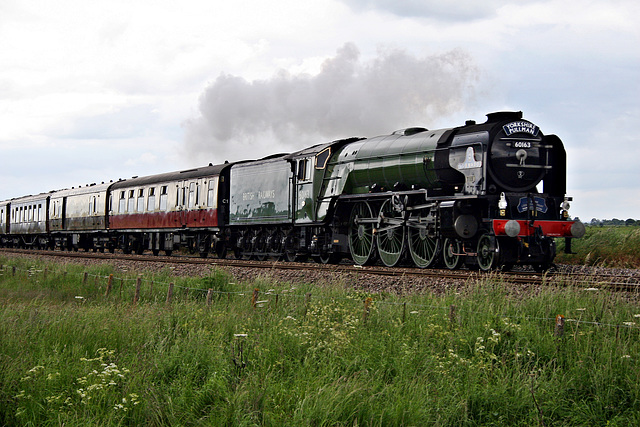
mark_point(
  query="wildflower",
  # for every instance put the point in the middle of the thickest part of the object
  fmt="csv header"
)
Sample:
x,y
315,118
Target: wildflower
x,y
240,335
79,297
629,323
626,356
581,309
592,289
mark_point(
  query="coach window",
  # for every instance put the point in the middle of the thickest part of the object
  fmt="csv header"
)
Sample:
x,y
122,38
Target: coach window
x,y
121,203
151,200
40,212
141,200
131,202
211,193
163,198
192,195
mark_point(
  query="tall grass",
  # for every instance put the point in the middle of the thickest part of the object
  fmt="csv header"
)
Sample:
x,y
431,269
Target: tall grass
x,y
608,246
309,354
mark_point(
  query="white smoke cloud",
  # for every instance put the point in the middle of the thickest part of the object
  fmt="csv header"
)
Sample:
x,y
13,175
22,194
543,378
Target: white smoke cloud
x,y
348,97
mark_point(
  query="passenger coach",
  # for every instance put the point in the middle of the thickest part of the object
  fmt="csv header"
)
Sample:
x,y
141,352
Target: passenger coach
x,y
160,212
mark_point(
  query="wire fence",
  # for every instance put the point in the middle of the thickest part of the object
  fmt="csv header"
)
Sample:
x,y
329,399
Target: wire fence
x,y
111,284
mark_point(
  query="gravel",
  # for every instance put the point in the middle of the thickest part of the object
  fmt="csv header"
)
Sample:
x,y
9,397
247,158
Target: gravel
x,y
401,285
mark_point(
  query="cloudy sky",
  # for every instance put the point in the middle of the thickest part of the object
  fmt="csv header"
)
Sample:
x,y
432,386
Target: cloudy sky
x,y
95,91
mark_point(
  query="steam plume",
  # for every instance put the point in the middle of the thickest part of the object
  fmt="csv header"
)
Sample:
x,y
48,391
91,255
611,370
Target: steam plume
x,y
241,119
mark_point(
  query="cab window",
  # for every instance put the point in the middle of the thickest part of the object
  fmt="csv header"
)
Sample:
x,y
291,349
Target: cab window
x,y
304,173
322,158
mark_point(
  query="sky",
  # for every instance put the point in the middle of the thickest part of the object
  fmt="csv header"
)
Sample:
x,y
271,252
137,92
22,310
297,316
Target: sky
x,y
97,91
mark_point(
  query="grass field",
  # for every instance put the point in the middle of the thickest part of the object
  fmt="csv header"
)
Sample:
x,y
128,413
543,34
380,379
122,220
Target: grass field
x,y
607,246
309,354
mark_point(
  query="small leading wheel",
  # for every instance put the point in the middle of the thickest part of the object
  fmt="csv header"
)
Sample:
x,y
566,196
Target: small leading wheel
x,y
390,235
452,253
423,248
487,252
332,258
361,233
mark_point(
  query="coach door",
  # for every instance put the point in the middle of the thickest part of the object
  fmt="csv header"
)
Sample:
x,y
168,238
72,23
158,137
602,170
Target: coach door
x,y
181,202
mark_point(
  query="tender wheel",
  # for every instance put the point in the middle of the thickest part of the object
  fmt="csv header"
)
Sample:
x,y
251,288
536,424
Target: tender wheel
x,y
361,233
390,235
487,253
155,252
423,248
260,246
451,253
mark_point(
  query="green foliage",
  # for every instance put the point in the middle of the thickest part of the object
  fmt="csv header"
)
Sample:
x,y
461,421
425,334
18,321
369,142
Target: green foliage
x,y
309,355
604,246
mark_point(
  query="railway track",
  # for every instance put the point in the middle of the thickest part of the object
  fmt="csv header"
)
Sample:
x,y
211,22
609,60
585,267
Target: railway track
x,y
629,282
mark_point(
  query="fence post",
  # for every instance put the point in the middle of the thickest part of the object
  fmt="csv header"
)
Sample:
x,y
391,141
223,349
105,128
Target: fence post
x,y
109,284
209,297
452,315
404,312
84,279
136,297
254,298
170,293
559,325
367,308
307,300
14,270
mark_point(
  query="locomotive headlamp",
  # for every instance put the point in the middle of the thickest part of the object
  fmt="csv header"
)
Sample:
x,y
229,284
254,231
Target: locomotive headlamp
x,y
502,204
566,205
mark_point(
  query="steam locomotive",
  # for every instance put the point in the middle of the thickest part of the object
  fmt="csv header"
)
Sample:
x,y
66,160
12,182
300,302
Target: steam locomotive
x,y
487,195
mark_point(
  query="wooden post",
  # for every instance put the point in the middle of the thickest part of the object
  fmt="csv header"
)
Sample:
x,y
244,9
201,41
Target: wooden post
x,y
307,300
559,325
404,312
367,308
170,293
452,315
109,285
136,297
209,297
84,279
14,270
254,298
